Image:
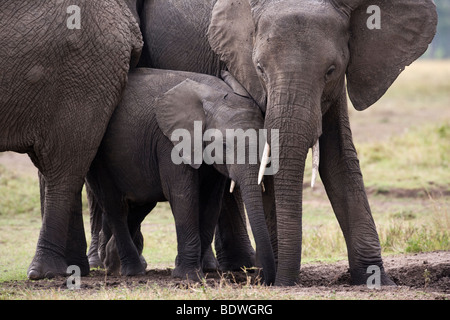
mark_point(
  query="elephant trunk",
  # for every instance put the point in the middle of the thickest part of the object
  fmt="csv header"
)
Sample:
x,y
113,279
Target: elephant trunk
x,y
298,119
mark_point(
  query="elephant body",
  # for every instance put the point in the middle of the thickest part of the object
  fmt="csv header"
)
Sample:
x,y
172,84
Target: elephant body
x,y
135,167
186,29
297,59
182,44
58,88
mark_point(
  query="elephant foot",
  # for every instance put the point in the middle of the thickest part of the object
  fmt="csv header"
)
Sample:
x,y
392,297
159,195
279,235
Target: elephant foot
x,y
94,261
209,262
191,274
235,258
370,276
115,267
210,265
111,261
93,256
112,269
82,262
132,269
46,265
238,263
287,281
143,261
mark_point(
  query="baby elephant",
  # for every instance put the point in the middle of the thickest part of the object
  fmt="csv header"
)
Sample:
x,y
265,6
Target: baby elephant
x,y
138,164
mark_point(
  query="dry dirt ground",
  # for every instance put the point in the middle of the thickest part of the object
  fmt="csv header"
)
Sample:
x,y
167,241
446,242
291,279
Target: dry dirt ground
x,y
422,276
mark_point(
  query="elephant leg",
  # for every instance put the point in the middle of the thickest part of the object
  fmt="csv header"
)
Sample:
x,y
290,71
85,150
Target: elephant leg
x,y
185,209
188,260
135,217
109,261
96,215
62,239
116,218
341,174
211,194
232,243
115,211
76,244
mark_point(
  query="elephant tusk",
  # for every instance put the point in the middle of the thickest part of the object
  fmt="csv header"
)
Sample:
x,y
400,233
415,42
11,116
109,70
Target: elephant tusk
x,y
264,162
262,187
315,162
232,185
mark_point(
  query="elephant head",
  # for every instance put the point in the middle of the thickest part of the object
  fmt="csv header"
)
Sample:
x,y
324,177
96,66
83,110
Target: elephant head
x,y
218,120
293,57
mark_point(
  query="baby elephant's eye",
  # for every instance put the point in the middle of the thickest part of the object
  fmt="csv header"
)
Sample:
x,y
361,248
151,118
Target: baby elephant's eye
x,y
262,74
260,68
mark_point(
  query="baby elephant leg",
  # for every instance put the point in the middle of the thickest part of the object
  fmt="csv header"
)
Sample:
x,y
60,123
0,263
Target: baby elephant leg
x,y
115,212
186,214
212,187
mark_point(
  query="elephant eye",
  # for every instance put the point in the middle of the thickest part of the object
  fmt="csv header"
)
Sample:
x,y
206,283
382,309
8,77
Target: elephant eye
x,y
260,68
261,71
330,72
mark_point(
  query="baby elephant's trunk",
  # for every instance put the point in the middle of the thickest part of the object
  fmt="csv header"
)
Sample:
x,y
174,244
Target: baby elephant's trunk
x,y
252,196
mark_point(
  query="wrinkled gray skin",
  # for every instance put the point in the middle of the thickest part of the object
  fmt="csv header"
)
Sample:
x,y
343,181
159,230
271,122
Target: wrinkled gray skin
x,y
127,185
232,243
293,57
58,89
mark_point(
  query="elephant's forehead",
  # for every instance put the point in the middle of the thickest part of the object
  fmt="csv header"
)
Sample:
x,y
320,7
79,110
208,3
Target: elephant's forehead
x,y
282,16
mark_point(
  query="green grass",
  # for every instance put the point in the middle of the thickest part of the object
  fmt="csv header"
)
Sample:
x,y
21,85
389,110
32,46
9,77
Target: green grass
x,y
419,158
20,220
160,241
416,227
18,194
426,80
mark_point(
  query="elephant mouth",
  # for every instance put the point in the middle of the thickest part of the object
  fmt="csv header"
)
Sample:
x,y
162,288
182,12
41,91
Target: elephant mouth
x,y
315,163
233,185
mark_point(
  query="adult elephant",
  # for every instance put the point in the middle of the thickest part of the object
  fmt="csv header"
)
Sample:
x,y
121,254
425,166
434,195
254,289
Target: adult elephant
x,y
293,57
64,67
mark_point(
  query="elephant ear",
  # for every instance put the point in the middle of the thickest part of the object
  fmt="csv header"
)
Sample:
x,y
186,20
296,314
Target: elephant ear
x,y
180,108
378,56
234,84
230,35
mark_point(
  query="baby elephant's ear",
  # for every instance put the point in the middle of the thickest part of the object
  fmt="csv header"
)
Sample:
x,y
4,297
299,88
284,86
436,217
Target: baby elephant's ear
x,y
178,112
237,87
234,84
